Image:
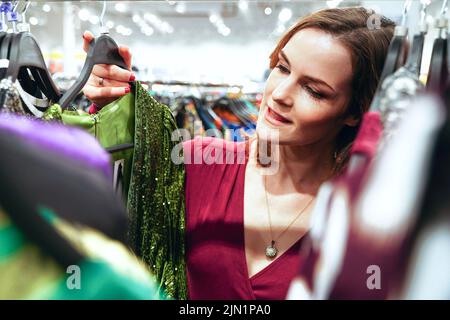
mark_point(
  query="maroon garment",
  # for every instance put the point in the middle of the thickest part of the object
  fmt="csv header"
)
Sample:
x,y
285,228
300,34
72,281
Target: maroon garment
x,y
369,135
216,264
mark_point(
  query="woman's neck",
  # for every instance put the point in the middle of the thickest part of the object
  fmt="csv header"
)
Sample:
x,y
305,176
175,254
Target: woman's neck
x,y
300,168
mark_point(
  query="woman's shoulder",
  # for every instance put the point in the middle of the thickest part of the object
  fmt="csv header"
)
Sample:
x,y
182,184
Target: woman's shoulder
x,y
212,151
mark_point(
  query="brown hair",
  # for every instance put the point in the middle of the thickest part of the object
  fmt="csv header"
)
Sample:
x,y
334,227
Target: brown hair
x,y
368,47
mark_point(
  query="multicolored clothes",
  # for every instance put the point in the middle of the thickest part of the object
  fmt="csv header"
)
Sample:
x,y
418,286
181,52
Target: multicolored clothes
x,y
109,271
59,215
153,182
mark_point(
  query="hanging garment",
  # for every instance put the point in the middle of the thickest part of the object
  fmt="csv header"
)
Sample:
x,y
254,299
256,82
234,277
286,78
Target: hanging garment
x,y
367,230
74,187
40,250
188,118
112,126
396,95
109,270
216,263
427,275
369,134
153,182
9,98
73,143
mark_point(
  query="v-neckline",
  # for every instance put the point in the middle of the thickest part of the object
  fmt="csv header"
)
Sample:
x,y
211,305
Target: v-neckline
x,y
249,279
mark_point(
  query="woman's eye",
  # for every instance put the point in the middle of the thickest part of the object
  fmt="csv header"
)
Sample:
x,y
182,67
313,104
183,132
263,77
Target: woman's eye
x,y
314,94
282,68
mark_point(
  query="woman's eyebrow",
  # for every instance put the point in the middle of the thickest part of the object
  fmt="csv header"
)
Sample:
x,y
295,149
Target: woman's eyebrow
x,y
318,81
283,55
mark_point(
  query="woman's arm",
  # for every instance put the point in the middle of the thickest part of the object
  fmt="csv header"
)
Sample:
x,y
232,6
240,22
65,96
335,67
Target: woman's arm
x,y
107,82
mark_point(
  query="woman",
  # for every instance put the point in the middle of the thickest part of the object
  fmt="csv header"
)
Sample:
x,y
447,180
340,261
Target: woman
x,y
245,221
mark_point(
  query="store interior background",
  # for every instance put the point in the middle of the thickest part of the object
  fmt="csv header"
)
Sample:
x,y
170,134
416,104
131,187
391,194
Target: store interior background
x,y
192,41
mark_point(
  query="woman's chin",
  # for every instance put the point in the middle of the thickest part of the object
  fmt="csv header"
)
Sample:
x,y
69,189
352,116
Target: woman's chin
x,y
276,136
267,133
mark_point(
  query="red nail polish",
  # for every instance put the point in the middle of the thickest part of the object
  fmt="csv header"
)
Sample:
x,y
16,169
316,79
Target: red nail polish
x,y
132,78
127,90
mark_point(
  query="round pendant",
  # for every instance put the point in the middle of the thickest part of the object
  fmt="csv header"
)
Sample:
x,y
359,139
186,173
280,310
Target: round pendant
x,y
271,251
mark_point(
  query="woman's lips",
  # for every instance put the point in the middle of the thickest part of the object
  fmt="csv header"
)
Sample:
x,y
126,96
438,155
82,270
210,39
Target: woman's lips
x,y
275,118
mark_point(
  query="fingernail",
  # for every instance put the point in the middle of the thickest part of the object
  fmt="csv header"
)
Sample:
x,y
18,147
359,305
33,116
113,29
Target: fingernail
x,y
132,77
127,90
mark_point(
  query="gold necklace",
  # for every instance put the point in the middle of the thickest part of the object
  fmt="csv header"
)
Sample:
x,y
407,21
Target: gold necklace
x,y
271,250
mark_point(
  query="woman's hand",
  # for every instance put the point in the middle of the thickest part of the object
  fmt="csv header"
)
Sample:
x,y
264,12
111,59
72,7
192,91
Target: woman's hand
x,y
107,82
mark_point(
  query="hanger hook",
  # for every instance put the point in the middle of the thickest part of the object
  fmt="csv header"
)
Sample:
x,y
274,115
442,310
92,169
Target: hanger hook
x,y
405,11
102,16
26,7
444,8
423,10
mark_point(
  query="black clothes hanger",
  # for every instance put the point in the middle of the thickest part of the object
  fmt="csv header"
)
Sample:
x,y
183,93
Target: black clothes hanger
x,y
25,53
438,71
120,147
397,50
396,53
414,61
102,50
415,56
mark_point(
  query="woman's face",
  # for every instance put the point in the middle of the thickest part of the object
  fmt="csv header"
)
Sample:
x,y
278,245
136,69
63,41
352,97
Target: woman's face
x,y
307,94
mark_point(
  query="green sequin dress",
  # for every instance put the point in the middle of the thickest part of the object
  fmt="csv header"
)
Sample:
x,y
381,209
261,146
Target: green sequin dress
x,y
154,184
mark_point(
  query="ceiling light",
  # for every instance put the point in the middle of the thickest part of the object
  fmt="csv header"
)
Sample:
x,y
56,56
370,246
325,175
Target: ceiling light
x,y
110,24
226,31
285,15
127,32
429,19
333,3
33,21
84,15
94,19
120,7
268,11
243,5
180,7
46,8
120,28
213,18
281,28
136,18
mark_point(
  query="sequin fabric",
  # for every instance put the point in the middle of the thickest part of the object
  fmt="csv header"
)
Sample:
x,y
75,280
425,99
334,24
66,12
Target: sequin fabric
x,y
9,98
155,203
156,196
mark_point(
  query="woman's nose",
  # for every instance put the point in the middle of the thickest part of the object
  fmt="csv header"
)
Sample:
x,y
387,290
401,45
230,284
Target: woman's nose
x,y
283,93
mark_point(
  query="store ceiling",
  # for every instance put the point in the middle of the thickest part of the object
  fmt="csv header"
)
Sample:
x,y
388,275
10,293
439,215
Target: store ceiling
x,y
189,20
